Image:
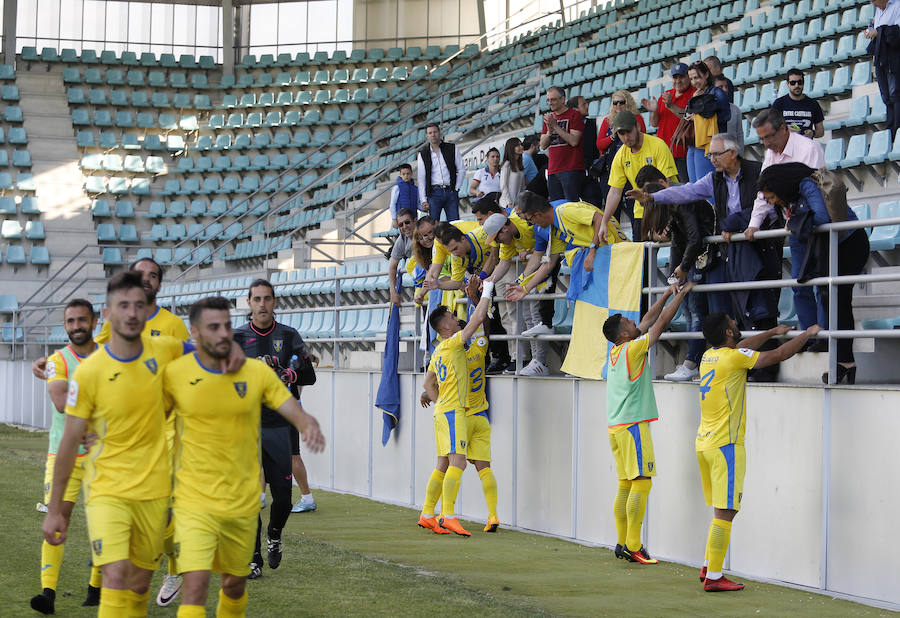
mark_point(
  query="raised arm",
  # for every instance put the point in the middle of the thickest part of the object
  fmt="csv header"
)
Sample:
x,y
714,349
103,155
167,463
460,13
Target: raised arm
x,y
480,312
654,311
667,314
785,350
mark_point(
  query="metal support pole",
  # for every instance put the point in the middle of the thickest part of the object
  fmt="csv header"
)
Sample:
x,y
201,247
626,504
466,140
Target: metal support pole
x,y
9,31
227,37
832,304
336,346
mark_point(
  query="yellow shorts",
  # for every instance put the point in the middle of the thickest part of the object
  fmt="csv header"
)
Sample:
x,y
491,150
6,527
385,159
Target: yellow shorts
x,y
127,530
206,542
450,432
74,485
479,435
632,448
722,474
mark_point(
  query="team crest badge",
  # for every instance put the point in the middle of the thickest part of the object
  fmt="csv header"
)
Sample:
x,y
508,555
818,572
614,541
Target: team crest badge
x,y
97,546
277,344
241,388
648,160
462,443
650,466
154,333
151,365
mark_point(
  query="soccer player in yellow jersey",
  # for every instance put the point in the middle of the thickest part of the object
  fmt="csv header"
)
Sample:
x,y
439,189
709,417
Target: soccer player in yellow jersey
x,y
447,384
216,500
630,408
723,422
79,322
470,252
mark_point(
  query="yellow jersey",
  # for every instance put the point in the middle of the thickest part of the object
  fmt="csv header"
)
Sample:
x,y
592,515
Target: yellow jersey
x,y
162,322
523,241
449,365
122,401
439,252
479,250
215,414
476,400
723,396
627,164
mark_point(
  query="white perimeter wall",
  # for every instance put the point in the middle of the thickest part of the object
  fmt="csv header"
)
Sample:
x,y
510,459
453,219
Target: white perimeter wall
x,y
821,495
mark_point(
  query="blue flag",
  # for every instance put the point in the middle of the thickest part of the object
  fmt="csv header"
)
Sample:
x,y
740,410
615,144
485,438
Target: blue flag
x,y
388,398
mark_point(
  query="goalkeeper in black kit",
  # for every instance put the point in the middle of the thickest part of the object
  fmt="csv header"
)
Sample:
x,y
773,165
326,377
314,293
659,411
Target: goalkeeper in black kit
x,y
276,344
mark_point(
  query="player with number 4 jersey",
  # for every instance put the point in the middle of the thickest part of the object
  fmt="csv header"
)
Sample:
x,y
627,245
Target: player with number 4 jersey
x,y
723,423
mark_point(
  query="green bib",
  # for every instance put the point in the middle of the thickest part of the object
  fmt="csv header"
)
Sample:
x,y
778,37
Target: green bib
x,y
628,401
58,418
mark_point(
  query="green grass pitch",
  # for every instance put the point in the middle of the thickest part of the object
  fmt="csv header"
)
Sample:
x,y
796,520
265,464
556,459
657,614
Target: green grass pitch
x,y
358,557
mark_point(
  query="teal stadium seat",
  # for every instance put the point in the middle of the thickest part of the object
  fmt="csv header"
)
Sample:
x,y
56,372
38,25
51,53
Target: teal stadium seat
x,y
886,237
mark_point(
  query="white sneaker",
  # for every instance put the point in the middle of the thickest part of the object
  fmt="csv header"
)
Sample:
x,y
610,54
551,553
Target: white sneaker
x,y
169,590
682,374
539,329
535,368
304,505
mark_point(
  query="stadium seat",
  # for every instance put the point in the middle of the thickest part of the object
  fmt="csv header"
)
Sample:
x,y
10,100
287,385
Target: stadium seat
x,y
856,151
879,147
39,255
886,237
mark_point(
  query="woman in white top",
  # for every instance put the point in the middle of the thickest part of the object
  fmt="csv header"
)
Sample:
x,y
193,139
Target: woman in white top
x,y
487,179
512,176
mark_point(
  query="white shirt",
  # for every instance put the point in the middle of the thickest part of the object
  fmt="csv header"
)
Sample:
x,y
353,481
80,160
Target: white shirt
x,y
798,149
440,173
486,182
890,16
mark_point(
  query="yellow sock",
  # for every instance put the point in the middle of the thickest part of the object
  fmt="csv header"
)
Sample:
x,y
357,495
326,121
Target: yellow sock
x,y
635,508
137,604
489,485
619,511
449,491
717,545
433,492
113,603
191,611
96,577
231,608
51,560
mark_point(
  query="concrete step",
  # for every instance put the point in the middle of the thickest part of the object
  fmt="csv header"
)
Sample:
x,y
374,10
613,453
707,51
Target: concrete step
x,y
885,287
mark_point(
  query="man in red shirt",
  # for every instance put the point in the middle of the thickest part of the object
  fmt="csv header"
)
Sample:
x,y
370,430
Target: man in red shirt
x,y
561,138
667,112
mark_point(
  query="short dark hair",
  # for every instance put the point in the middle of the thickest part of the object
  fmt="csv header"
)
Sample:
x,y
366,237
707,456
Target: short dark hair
x,y
612,327
432,124
405,166
575,101
560,91
258,282
80,302
125,280
795,71
408,212
714,60
486,205
444,231
219,303
530,140
159,269
772,117
715,328
530,202
648,173
726,83
434,320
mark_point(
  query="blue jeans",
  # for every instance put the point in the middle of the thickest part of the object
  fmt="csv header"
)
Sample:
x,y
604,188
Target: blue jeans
x,y
446,199
698,164
565,185
889,86
700,304
809,308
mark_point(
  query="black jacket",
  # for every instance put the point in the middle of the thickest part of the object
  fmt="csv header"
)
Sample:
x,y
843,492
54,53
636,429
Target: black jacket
x,y
688,224
449,153
281,342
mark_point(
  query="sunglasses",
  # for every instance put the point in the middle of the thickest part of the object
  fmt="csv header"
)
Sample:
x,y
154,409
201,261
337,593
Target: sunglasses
x,y
618,102
404,223
795,82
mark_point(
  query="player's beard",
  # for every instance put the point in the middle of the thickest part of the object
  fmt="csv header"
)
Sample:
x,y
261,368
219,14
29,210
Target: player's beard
x,y
217,351
79,337
151,296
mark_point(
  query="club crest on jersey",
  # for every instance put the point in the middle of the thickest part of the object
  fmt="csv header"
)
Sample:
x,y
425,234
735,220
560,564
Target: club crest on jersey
x,y
154,332
97,546
151,365
649,466
277,345
241,388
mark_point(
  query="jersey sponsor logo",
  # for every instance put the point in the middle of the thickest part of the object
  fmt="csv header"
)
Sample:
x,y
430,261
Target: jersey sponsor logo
x,y
195,382
97,546
241,388
114,376
51,370
251,340
151,365
154,333
277,345
746,352
72,398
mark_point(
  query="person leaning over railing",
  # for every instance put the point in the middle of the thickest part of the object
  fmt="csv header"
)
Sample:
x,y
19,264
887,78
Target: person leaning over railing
x,y
791,188
401,250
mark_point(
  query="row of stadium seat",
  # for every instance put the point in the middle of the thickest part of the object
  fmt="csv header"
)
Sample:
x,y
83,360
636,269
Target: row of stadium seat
x,y
862,149
25,206
125,119
11,229
132,164
15,254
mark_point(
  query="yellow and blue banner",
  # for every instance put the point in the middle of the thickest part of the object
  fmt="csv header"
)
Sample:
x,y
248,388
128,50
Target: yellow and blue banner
x,y
614,286
388,397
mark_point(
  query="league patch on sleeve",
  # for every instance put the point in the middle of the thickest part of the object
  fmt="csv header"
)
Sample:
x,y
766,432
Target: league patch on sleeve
x,y
481,342
746,352
72,399
50,372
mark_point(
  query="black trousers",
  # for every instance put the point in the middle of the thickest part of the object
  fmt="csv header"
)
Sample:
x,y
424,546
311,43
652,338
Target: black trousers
x,y
276,462
853,254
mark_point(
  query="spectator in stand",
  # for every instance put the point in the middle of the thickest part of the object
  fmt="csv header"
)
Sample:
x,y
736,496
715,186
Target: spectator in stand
x,y
401,250
735,125
535,164
512,174
666,113
638,150
801,113
715,67
789,187
608,144
709,111
884,35
486,181
441,172
561,138
591,191
404,194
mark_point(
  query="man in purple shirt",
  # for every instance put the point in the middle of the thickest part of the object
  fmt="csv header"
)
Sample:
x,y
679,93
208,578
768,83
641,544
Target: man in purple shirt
x,y
782,146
